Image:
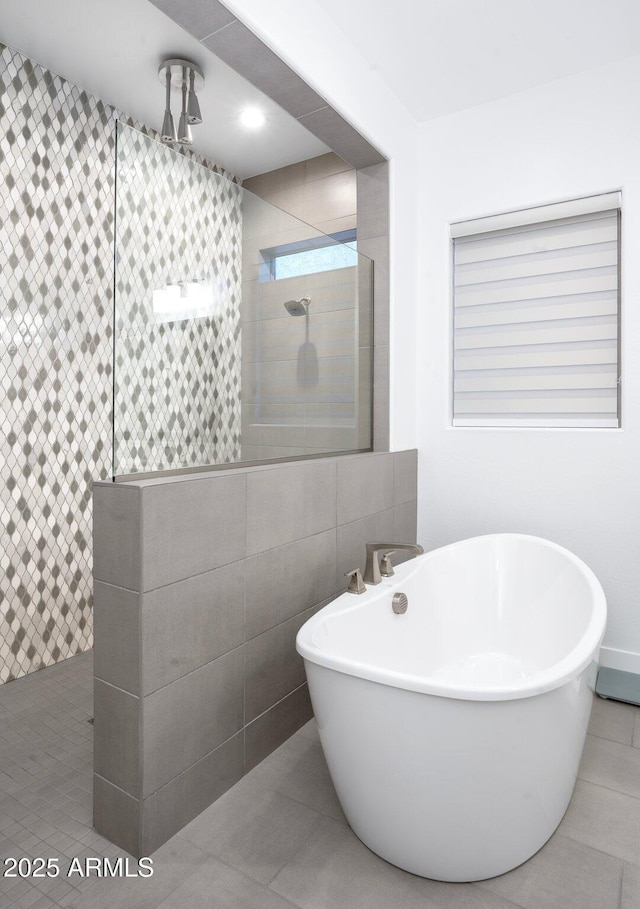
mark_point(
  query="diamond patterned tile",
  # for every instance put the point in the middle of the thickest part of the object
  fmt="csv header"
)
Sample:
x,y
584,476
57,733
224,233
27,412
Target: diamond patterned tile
x,y
177,400
57,173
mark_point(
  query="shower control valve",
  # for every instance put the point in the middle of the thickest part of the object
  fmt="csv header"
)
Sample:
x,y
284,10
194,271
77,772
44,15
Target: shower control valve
x,y
386,566
356,584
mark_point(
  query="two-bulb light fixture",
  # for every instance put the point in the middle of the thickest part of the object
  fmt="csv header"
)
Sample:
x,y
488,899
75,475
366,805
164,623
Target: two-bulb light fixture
x,y
186,77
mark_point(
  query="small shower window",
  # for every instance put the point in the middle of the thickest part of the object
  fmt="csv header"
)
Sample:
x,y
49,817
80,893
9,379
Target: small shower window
x,y
307,257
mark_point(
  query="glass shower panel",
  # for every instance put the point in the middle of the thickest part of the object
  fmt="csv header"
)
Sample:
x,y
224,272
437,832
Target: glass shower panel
x,y
217,359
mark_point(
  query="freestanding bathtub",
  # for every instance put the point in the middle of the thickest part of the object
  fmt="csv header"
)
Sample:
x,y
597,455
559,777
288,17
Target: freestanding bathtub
x,y
453,733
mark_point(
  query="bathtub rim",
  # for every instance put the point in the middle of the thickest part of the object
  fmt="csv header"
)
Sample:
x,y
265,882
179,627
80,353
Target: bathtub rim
x,y
569,668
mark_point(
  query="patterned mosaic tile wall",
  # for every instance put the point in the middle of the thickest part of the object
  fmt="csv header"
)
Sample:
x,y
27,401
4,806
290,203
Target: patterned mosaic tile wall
x,y
177,382
57,163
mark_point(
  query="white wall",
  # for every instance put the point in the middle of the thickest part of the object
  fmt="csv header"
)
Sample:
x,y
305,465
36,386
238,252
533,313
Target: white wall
x,y
305,37
572,137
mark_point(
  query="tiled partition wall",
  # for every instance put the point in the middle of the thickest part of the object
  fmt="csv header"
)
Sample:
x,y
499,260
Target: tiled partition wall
x,y
201,584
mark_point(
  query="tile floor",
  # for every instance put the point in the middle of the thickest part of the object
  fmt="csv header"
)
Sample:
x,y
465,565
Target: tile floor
x,y
278,839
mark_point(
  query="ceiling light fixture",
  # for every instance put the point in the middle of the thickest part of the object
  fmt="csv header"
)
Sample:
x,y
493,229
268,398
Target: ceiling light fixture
x,y
252,118
186,77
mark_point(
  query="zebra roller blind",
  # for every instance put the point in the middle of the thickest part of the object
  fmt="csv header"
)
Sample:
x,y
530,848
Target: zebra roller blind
x,y
536,317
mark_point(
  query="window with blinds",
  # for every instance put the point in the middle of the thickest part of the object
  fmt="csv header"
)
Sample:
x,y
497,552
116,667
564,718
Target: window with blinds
x,y
536,317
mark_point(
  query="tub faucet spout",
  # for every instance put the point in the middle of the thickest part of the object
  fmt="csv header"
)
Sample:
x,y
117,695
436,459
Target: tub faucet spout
x,y
372,569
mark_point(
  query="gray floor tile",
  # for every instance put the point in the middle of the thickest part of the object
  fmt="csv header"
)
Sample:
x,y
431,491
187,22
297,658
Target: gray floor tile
x,y
612,765
564,873
613,720
309,730
253,829
272,824
215,884
172,864
605,820
334,869
630,897
298,770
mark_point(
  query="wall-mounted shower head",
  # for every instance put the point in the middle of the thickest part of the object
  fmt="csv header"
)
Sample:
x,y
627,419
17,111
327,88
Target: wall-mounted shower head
x,y
298,307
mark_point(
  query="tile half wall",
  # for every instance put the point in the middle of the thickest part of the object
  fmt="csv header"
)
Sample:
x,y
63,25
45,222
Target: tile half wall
x,y
201,584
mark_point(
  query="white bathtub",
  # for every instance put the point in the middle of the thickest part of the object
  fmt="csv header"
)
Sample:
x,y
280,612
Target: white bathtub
x,y
453,733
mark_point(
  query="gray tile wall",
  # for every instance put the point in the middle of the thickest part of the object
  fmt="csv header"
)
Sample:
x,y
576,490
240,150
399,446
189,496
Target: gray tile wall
x,y
284,413
56,370
202,583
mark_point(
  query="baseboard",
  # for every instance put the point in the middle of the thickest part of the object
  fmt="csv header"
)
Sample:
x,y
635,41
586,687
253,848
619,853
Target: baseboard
x,y
625,660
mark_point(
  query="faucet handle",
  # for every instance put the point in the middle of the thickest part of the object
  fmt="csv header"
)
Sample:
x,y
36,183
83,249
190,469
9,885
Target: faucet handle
x,y
356,584
386,566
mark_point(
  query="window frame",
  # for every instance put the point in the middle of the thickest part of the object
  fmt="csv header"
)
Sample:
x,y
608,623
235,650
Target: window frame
x,y
269,256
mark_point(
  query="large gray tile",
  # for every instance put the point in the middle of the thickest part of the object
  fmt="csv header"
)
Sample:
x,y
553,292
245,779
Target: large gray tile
x,y
405,521
116,815
380,398
275,726
324,166
116,638
352,539
331,199
630,896
190,623
332,334
192,527
290,502
253,829
611,764
636,730
405,476
116,736
563,873
232,890
250,57
341,137
172,863
605,820
284,582
309,731
298,770
613,720
373,201
333,868
200,17
365,486
116,534
186,720
273,668
170,808
377,249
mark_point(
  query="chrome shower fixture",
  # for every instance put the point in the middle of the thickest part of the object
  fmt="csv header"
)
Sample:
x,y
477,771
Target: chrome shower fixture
x,y
193,106
187,78
298,307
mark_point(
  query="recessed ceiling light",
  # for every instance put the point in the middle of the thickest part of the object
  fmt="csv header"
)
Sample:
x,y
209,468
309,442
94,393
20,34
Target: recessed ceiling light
x,y
252,118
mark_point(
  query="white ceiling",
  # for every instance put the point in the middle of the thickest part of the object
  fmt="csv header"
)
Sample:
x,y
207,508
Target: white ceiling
x,y
440,56
437,56
112,49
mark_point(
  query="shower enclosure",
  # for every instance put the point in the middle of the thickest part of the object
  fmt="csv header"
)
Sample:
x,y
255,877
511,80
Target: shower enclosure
x,y
242,334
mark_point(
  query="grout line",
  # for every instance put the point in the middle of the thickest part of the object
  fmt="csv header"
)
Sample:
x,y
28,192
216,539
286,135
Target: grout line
x,y
260,715
217,31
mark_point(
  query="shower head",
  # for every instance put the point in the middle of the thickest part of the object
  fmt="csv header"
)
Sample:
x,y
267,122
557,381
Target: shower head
x,y
298,307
